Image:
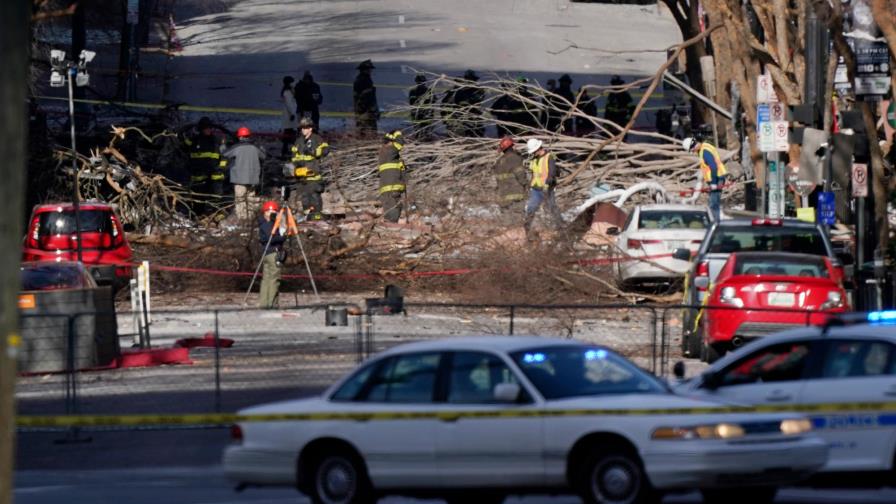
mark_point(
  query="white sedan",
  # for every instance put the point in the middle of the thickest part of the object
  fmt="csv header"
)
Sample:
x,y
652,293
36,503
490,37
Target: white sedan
x,y
476,419
650,235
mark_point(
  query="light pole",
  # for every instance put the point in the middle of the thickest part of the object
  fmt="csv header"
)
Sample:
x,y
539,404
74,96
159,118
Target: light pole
x,y
65,71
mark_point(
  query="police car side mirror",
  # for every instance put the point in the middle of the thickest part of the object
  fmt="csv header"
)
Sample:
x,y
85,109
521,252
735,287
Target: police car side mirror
x,y
682,254
613,231
678,370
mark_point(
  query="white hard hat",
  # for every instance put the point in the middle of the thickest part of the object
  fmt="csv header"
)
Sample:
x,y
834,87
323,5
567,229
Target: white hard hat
x,y
533,144
688,143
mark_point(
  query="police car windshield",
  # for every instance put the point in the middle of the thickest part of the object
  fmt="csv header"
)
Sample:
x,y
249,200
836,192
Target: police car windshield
x,y
730,239
573,371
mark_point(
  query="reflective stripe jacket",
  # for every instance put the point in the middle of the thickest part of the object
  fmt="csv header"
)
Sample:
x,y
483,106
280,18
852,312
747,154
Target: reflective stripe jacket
x,y
510,173
711,165
306,155
205,159
391,168
544,172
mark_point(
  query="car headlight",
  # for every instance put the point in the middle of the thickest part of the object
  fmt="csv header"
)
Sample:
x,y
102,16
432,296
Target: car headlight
x,y
716,431
796,426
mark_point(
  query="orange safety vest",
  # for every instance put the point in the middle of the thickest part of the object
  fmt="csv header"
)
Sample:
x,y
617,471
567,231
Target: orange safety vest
x,y
539,168
721,171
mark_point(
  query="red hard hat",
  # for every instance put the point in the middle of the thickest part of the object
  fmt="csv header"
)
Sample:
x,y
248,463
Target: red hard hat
x,y
505,144
270,206
243,132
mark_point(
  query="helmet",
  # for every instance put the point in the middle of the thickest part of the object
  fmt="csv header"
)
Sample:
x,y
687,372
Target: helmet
x,y
505,144
205,122
365,65
420,78
616,80
689,143
566,78
533,145
522,80
306,122
471,75
393,135
288,80
270,206
243,132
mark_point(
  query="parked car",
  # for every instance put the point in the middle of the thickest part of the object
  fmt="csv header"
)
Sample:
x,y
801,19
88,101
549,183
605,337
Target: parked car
x,y
53,275
851,363
740,235
105,250
741,305
650,235
476,419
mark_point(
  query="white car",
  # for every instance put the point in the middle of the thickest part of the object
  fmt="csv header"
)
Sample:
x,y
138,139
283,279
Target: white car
x,y
476,419
845,364
650,235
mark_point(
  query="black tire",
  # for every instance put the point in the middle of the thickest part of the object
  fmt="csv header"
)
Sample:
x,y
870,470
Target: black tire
x,y
614,477
340,478
748,495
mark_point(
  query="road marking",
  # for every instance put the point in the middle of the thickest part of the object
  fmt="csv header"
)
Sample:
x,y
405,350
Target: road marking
x,y
402,43
401,19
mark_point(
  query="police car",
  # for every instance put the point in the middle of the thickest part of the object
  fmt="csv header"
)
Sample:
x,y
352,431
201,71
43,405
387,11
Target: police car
x,y
827,372
477,419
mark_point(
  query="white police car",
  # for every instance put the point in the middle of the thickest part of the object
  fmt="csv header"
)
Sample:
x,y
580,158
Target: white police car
x,y
825,372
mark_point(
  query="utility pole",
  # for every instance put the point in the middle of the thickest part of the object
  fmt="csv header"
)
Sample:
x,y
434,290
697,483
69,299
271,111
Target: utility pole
x,y
14,45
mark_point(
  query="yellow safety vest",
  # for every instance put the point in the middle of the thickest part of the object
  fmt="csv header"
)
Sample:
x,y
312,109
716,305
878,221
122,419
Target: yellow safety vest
x,y
539,168
721,171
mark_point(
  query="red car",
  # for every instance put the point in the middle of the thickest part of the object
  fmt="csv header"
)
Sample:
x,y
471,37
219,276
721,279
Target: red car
x,y
104,247
751,285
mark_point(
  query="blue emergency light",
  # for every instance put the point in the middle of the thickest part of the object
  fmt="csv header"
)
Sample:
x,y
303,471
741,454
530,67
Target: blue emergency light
x,y
882,317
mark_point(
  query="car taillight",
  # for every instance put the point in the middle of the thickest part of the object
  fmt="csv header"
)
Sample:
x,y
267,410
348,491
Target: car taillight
x,y
728,295
236,433
696,242
767,222
35,232
702,271
834,300
636,244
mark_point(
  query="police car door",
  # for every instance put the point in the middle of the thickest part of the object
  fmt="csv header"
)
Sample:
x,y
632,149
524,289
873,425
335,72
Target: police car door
x,y
856,370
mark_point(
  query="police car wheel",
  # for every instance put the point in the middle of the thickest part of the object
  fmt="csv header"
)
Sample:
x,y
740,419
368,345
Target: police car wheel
x,y
749,495
614,477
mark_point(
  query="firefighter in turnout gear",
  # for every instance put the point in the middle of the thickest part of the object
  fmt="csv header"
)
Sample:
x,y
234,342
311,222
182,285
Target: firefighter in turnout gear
x,y
207,168
307,180
510,173
392,176
367,110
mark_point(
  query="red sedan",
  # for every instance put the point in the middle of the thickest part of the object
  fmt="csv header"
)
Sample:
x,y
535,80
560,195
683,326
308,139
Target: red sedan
x,y
759,293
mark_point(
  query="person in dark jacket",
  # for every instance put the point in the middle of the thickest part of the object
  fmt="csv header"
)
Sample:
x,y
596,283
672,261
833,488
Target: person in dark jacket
x,y
565,92
309,99
206,166
272,241
588,106
245,171
393,182
511,176
307,180
506,109
619,104
367,110
420,98
468,98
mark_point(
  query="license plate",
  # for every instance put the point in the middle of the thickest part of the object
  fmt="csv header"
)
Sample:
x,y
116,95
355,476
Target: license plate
x,y
781,298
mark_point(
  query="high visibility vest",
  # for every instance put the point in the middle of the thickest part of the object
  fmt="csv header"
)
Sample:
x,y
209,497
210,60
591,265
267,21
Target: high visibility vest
x,y
721,171
539,168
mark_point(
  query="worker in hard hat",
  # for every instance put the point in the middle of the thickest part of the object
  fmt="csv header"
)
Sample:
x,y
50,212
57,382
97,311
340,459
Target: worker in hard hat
x,y
272,241
510,175
206,166
541,187
712,171
393,179
245,171
307,180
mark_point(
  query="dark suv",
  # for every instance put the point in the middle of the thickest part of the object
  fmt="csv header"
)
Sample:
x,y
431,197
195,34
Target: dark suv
x,y
741,235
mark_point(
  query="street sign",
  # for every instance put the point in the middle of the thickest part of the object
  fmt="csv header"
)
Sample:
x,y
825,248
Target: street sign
x,y
872,67
827,210
765,90
780,140
775,190
766,137
891,114
859,180
778,112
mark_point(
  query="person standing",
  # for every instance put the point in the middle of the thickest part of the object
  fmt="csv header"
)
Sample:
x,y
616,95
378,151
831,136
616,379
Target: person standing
x,y
272,241
467,99
289,124
245,171
367,110
206,166
712,171
510,174
619,104
588,106
309,99
393,182
543,169
506,109
308,179
565,92
420,98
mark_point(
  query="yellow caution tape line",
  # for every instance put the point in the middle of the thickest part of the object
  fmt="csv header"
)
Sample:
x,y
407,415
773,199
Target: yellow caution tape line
x,y
39,421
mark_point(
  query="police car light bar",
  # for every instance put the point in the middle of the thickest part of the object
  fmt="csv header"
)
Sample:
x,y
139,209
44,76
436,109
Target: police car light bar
x,y
882,317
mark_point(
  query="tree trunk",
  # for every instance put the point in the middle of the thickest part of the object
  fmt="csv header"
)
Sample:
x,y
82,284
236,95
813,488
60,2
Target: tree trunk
x,y
14,45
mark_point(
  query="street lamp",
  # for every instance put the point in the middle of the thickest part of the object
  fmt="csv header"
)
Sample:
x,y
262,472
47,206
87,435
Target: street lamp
x,y
65,71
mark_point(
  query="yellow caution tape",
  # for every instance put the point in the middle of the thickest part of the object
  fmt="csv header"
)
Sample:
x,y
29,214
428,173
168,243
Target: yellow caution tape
x,y
38,421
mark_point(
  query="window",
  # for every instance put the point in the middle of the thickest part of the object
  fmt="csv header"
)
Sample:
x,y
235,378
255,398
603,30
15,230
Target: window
x,y
767,239
777,363
474,376
845,359
777,264
667,219
63,223
402,379
352,387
